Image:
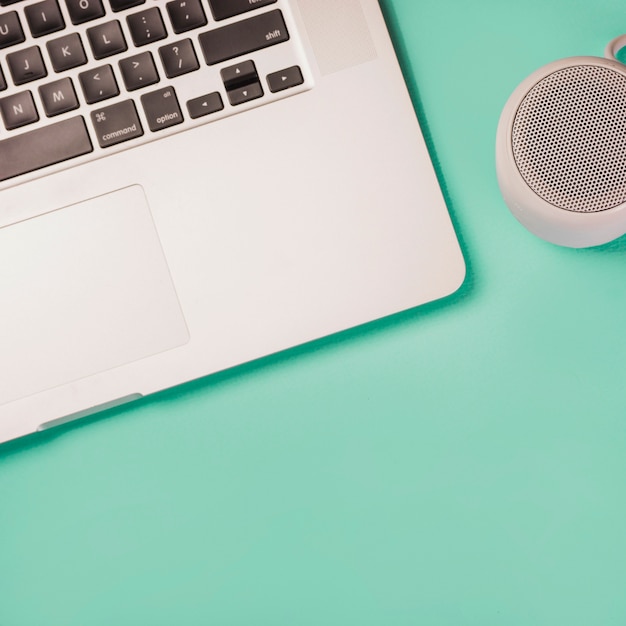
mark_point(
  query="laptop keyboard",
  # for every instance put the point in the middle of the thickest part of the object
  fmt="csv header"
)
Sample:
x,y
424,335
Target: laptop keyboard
x,y
80,79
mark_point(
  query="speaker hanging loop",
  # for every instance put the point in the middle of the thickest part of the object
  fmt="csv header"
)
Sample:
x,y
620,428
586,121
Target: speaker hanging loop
x,y
614,46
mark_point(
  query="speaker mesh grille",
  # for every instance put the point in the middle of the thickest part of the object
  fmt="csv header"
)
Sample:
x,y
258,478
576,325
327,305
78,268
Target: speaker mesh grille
x,y
569,138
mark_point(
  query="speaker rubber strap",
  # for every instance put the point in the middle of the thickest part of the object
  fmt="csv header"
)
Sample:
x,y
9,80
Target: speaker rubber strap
x,y
614,46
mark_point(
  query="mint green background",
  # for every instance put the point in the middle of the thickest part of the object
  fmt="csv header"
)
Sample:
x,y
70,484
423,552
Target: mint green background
x,y
460,464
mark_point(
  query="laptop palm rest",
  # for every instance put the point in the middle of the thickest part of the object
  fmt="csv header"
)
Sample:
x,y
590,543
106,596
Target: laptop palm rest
x,y
85,289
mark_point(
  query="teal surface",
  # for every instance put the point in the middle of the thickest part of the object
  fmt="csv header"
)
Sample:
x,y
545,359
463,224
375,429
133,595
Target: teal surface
x,y
461,464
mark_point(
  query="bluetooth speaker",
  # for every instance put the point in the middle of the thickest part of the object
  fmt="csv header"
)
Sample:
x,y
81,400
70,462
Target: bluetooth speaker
x,y
561,151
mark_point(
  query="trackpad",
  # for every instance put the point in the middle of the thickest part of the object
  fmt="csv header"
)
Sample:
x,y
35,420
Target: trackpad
x,y
82,290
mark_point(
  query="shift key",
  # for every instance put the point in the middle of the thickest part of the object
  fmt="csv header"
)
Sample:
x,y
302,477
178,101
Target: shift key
x,y
228,42
116,123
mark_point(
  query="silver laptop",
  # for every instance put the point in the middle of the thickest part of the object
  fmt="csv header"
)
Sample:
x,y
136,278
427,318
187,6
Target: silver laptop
x,y
188,185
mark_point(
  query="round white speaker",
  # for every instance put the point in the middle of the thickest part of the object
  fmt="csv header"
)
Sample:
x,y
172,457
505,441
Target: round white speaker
x,y
561,150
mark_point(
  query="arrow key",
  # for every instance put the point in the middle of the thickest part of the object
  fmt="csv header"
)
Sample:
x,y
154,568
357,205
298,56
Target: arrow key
x,y
205,105
243,73
245,94
285,79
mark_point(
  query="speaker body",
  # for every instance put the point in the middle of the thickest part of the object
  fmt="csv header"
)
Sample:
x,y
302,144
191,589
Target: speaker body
x,y
561,152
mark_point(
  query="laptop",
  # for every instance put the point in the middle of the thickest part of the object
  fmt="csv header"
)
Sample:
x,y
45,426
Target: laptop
x,y
188,185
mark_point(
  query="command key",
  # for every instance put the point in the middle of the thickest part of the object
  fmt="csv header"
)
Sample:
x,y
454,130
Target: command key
x,y
116,123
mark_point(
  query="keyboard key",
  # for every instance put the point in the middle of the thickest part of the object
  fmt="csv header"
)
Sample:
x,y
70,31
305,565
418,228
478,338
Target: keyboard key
x,y
245,94
205,105
146,26
161,109
239,75
106,39
243,37
98,84
66,52
10,30
82,11
43,147
186,15
26,65
18,110
6,3
223,9
3,82
58,97
285,79
44,18
121,5
116,123
178,58
139,71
